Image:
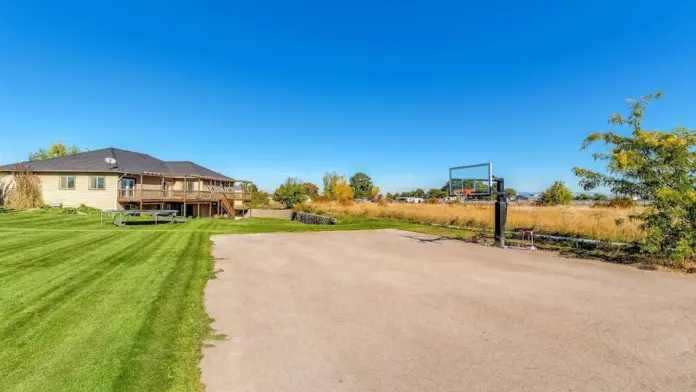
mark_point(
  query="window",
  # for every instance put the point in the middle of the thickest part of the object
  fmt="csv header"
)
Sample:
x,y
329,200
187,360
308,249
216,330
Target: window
x,y
67,182
96,183
189,186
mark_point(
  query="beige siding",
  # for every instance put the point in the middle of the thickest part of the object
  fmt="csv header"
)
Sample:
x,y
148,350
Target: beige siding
x,y
102,199
179,184
149,182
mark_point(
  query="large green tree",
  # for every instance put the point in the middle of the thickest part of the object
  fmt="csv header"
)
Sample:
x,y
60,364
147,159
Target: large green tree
x,y
437,193
289,192
556,194
655,165
362,185
55,150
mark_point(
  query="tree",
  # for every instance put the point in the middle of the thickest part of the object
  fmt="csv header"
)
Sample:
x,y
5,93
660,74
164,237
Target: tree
x,y
419,193
342,192
654,165
310,189
57,149
583,196
336,187
290,192
330,179
374,194
600,197
258,198
511,193
389,197
361,184
437,193
556,194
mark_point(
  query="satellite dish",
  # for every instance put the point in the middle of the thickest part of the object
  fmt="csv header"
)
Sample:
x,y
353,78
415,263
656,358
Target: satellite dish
x,y
111,161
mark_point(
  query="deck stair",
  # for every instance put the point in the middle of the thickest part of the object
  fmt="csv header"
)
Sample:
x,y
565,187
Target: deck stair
x,y
219,195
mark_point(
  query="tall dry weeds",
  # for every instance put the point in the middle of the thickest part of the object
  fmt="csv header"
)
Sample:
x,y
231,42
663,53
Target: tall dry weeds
x,y
576,221
5,187
26,192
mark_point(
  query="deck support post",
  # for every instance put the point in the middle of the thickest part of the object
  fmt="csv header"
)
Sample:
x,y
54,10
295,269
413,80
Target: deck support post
x,y
141,191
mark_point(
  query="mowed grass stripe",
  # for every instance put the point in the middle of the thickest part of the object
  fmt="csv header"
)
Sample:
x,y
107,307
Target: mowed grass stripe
x,y
11,327
21,257
63,317
15,242
104,350
166,353
23,219
34,283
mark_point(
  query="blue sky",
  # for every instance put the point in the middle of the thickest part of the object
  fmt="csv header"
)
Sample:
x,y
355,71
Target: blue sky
x,y
263,90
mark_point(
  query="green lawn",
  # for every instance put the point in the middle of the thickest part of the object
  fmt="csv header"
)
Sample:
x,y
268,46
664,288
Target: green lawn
x,y
85,307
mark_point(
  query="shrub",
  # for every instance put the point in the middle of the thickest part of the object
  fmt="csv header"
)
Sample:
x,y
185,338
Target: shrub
x,y
556,194
5,188
82,210
655,165
617,202
26,193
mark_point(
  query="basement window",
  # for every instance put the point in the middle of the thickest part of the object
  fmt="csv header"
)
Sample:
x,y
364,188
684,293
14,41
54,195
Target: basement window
x,y
96,183
67,182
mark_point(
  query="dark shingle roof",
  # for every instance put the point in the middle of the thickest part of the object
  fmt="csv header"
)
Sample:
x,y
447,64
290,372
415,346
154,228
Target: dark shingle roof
x,y
126,162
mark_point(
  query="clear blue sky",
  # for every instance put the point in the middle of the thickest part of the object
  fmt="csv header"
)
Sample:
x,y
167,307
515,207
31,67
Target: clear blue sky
x,y
264,90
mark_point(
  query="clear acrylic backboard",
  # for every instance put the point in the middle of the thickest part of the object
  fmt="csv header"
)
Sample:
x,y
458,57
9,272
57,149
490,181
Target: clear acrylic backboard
x,y
471,180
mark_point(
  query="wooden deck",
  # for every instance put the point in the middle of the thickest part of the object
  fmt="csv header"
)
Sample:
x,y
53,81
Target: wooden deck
x,y
157,195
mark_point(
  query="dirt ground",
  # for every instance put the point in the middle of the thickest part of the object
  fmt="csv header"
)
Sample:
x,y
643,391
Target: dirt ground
x,y
397,311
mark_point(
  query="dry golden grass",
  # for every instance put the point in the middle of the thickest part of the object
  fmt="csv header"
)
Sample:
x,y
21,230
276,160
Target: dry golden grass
x,y
576,221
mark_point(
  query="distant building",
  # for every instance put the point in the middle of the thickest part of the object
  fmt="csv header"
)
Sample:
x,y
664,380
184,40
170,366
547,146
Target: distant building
x,y
527,198
415,200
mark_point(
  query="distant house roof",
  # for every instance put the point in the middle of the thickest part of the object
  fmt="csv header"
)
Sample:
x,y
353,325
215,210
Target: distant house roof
x,y
126,162
526,197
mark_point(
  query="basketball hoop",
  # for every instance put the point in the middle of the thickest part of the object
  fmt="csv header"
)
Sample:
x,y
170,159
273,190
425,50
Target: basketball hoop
x,y
478,180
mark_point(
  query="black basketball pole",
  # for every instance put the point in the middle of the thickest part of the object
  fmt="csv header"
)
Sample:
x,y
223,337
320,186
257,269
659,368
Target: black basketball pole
x,y
500,212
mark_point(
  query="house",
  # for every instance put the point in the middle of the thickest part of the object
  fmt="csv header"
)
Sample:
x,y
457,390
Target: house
x,y
527,197
112,178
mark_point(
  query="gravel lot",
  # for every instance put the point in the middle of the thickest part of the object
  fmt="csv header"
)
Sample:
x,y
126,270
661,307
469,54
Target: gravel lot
x,y
397,311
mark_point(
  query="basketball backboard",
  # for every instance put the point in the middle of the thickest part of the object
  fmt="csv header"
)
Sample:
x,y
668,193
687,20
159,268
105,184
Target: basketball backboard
x,y
471,180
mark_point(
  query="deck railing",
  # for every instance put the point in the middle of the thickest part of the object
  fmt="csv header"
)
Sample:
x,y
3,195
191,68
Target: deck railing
x,y
178,195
